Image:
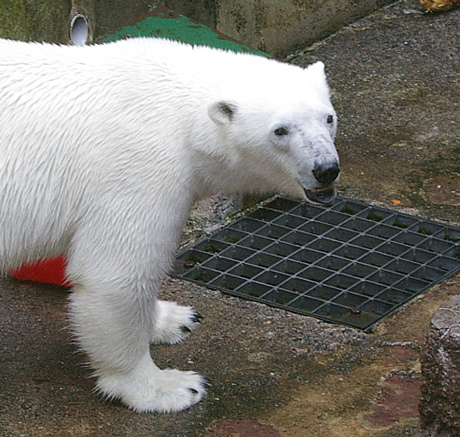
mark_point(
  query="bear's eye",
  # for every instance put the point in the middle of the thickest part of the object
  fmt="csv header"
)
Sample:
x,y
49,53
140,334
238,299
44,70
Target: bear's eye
x,y
330,119
281,131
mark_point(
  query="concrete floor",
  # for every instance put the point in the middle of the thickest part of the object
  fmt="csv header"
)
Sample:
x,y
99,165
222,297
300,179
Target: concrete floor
x,y
395,78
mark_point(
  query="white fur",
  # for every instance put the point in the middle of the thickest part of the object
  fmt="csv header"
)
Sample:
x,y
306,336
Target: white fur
x,y
103,151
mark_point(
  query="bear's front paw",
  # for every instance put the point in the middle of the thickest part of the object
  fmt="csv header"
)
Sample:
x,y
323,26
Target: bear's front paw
x,y
149,389
173,322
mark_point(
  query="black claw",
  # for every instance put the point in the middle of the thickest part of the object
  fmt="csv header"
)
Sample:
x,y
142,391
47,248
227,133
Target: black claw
x,y
197,317
195,392
207,382
185,329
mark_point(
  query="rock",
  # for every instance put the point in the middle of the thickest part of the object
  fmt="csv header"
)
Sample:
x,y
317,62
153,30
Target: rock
x,y
439,5
440,406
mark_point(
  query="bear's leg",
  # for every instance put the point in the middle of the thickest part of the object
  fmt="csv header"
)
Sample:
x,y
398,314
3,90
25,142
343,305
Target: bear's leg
x,y
114,329
173,322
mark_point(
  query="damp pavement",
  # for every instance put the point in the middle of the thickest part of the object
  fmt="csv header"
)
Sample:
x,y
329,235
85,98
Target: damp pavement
x,y
395,80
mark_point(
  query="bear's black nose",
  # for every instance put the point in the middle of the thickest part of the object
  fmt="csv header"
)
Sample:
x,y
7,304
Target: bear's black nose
x,y
326,173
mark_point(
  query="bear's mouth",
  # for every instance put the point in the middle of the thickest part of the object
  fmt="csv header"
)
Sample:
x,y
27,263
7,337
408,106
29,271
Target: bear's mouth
x,y
322,195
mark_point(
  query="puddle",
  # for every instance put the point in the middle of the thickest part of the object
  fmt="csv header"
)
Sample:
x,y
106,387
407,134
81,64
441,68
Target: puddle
x,y
444,190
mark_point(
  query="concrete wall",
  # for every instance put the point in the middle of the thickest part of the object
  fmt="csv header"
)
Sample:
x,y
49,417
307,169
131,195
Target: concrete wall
x,y
276,26
50,20
45,20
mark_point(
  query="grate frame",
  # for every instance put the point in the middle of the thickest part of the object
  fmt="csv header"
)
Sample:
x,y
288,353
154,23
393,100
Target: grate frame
x,y
348,263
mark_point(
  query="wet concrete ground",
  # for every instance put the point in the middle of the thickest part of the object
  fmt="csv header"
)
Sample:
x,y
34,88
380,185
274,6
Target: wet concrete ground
x,y
395,78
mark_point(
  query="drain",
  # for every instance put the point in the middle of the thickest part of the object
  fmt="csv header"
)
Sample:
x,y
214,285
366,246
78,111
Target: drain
x,y
79,30
348,263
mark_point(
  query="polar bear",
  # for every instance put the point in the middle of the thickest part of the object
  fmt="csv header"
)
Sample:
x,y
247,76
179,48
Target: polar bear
x,y
103,151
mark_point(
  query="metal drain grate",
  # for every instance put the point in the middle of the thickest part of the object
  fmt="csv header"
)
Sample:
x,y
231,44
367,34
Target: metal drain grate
x,y
349,263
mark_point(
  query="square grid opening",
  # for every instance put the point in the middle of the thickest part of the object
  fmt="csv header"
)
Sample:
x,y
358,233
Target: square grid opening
x,y
349,263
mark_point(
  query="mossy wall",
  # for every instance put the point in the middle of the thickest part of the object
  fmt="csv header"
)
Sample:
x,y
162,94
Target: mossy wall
x,y
49,20
33,20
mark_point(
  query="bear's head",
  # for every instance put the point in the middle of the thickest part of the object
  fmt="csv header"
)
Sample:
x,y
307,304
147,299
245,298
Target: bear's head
x,y
277,127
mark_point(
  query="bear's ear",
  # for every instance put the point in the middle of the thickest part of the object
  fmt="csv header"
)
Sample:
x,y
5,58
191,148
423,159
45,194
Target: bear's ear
x,y
316,68
317,75
222,112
